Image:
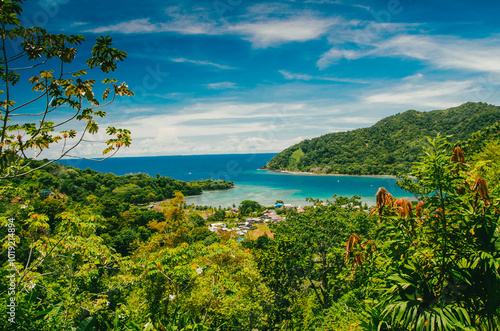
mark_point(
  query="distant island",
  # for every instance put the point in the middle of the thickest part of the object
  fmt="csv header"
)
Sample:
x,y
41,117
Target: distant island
x,y
386,148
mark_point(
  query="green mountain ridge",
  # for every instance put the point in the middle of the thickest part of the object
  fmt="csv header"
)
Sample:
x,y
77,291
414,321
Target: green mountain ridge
x,y
387,147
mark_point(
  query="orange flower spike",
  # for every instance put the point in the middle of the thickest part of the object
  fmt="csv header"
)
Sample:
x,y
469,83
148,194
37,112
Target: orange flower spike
x,y
353,240
481,188
410,208
419,208
458,155
402,207
397,205
405,208
381,195
357,257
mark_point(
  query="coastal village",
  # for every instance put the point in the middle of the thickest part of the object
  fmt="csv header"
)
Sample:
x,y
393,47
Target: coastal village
x,y
254,225
250,223
242,228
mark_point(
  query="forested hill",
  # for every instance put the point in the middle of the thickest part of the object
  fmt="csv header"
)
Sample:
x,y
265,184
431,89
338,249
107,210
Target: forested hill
x,y
78,185
387,147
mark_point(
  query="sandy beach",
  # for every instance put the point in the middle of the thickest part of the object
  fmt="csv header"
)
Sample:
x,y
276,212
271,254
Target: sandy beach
x,y
316,174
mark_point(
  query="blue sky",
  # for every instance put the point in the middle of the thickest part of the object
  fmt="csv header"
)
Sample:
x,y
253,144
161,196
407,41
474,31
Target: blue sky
x,y
239,76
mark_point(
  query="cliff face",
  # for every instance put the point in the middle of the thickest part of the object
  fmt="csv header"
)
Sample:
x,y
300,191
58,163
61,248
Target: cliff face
x,y
389,146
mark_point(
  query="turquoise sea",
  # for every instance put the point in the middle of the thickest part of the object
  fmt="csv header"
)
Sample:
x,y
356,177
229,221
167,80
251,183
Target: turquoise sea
x,y
250,183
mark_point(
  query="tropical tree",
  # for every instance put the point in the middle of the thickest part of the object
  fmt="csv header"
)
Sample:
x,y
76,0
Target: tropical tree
x,y
173,229
59,273
441,256
216,284
306,259
31,125
248,206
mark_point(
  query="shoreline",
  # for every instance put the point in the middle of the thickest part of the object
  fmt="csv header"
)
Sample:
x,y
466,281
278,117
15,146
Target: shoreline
x,y
287,172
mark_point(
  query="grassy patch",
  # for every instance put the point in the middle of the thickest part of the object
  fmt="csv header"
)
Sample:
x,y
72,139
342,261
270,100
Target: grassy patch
x,y
295,159
262,229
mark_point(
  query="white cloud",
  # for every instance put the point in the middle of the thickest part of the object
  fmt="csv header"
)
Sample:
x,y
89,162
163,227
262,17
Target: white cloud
x,y
367,33
134,26
189,24
296,76
290,75
167,96
446,52
273,32
416,92
139,110
335,54
264,25
228,127
222,86
356,39
363,7
202,63
210,128
443,52
415,77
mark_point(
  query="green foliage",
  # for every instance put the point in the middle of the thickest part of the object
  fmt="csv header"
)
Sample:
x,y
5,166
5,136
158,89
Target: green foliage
x,y
199,234
218,216
52,208
486,164
443,261
210,185
195,220
89,186
122,242
344,315
388,147
217,284
54,92
307,255
295,159
248,206
483,147
429,266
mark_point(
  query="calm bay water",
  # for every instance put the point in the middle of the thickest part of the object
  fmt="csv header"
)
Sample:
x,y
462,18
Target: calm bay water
x,y
250,183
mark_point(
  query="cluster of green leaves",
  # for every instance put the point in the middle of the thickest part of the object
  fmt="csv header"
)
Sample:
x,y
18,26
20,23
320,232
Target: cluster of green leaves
x,y
54,92
442,262
483,147
247,207
388,147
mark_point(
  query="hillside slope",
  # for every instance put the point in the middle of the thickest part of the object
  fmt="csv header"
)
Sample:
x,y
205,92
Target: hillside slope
x,y
389,146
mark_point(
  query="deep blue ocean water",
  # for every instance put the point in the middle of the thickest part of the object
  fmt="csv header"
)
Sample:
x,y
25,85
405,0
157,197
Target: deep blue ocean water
x,y
250,183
